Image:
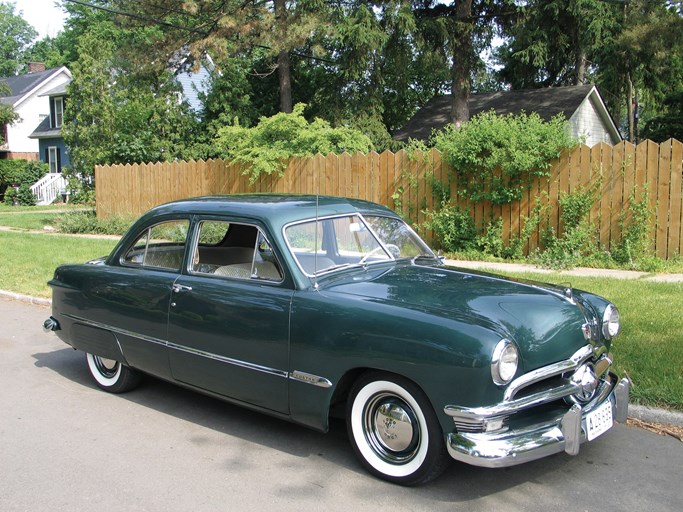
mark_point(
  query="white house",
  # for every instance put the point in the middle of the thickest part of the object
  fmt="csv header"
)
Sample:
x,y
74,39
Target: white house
x,y
29,100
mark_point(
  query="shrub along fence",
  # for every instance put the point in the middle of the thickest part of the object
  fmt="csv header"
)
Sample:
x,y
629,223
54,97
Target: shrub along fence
x,y
410,184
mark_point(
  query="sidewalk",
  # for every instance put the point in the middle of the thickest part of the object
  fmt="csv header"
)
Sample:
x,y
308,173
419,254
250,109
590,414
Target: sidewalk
x,y
579,272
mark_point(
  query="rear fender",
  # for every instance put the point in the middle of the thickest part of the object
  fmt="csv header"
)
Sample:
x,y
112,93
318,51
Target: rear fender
x,y
96,341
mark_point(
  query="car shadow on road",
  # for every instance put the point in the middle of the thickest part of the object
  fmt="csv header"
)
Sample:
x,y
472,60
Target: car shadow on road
x,y
460,483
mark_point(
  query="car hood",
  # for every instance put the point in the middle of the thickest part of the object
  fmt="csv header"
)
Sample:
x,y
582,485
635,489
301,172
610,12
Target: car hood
x,y
540,318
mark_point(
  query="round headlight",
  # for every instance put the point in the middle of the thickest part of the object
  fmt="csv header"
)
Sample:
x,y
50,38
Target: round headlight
x,y
610,322
504,362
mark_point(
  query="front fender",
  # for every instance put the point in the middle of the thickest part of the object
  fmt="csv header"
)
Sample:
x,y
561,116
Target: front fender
x,y
334,334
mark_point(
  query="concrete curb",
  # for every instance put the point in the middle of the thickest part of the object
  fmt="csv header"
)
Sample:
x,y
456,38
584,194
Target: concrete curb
x,y
652,415
641,412
25,298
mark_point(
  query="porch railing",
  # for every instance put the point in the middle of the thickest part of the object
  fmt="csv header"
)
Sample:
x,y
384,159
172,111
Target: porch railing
x,y
48,188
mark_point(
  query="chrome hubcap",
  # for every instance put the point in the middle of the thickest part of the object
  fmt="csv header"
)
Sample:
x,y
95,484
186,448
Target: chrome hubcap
x,y
391,428
107,367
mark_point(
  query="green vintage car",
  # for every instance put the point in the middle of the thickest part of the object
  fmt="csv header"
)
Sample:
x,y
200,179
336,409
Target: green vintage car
x,y
304,307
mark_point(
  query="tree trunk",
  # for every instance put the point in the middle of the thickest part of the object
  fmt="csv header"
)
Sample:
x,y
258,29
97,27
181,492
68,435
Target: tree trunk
x,y
285,79
581,68
283,66
460,72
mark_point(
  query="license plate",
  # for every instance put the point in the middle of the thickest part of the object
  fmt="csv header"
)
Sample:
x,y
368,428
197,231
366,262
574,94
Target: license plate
x,y
599,421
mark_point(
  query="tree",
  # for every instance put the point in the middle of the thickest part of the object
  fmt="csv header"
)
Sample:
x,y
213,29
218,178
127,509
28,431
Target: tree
x,y
464,29
116,115
229,27
643,63
15,36
633,50
669,124
54,52
7,113
550,42
88,128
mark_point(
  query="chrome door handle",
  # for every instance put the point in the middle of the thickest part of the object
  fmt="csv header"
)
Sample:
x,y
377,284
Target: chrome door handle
x,y
177,288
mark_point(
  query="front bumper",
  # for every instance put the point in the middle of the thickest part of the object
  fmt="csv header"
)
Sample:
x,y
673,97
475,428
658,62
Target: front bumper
x,y
564,432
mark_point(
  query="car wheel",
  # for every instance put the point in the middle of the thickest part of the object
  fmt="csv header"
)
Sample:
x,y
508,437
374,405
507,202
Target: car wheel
x,y
394,431
112,376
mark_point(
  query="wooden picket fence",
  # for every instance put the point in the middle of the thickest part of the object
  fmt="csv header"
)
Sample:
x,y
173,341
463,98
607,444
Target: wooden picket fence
x,y
409,185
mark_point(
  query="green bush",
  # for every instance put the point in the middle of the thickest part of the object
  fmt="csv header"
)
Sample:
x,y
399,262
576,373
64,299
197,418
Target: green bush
x,y
453,227
10,196
266,148
23,173
496,157
87,222
578,237
25,197
635,247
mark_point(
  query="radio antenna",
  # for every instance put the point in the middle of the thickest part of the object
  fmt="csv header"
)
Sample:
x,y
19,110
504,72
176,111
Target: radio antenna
x,y
315,243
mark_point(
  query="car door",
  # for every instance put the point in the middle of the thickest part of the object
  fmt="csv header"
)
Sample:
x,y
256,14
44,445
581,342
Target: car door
x,y
229,317
131,297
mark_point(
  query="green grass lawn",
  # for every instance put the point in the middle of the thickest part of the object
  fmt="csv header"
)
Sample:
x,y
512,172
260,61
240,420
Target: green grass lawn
x,y
33,221
650,346
50,207
28,261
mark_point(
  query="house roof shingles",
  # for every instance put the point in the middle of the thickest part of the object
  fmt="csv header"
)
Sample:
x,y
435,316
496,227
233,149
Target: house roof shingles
x,y
44,131
22,84
547,103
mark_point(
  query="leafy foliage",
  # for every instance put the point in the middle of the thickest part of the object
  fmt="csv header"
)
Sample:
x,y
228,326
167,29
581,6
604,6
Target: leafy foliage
x,y
22,173
7,113
453,227
265,148
636,224
15,36
87,222
496,157
668,124
114,114
578,236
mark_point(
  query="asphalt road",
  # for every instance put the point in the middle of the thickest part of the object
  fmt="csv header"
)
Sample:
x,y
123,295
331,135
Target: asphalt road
x,y
66,446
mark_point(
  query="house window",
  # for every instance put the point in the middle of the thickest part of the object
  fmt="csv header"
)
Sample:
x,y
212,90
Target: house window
x,y
59,112
54,159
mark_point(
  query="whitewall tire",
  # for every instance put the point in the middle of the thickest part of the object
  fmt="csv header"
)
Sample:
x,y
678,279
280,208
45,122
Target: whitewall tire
x,y
394,431
110,375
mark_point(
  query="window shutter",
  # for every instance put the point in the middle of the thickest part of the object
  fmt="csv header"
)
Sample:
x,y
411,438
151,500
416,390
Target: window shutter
x,y
59,160
47,155
52,112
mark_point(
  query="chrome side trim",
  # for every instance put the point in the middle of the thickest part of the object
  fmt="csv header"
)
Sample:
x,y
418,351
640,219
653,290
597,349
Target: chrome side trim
x,y
182,348
116,330
229,360
548,371
309,378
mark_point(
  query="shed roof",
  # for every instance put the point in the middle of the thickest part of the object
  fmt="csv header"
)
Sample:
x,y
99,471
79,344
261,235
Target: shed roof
x,y
547,103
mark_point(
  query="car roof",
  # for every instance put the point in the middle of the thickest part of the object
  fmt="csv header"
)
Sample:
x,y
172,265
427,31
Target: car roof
x,y
274,209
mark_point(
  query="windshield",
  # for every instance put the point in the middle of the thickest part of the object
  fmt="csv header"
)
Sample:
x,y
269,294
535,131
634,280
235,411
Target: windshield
x,y
339,242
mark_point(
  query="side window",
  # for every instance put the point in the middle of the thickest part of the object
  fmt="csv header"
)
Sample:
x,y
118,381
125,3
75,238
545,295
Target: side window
x,y
159,246
237,251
